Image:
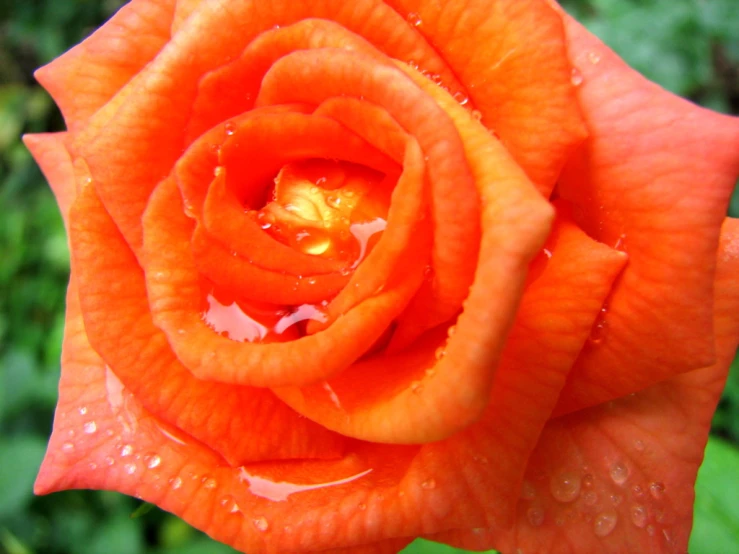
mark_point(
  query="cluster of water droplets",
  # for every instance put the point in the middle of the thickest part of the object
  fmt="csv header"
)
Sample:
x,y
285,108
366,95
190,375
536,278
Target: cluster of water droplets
x,y
603,503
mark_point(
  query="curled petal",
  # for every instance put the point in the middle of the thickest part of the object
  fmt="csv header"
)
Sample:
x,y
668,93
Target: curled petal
x,y
653,179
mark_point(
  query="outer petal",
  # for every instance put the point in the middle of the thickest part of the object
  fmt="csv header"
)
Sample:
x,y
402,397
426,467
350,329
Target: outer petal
x,y
50,152
510,56
654,179
619,478
86,77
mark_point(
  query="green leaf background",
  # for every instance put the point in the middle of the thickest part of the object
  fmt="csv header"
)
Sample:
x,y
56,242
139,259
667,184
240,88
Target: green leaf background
x,y
689,46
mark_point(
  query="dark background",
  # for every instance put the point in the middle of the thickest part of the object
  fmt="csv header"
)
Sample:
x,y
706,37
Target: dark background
x,y
689,46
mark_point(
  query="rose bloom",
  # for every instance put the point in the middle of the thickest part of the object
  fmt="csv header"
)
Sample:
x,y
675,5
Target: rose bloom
x,y
345,274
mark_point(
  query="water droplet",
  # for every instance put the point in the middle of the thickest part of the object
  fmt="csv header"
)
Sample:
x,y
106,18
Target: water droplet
x,y
416,387
175,482
229,128
229,504
261,523
587,480
657,490
639,446
616,499
430,372
440,353
82,410
535,516
90,427
93,466
461,98
127,450
619,473
109,460
476,115
109,432
597,333
153,462
638,491
130,468
209,483
576,77
639,515
67,447
590,498
659,515
651,530
414,19
429,484
565,487
594,57
605,523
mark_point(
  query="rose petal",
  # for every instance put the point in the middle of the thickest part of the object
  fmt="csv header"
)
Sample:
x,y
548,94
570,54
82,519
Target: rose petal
x,y
152,123
242,424
631,463
51,154
313,76
510,57
405,397
654,178
101,65
173,285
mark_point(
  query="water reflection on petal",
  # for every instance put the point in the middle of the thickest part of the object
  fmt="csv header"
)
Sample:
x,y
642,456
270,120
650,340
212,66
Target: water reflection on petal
x,y
280,491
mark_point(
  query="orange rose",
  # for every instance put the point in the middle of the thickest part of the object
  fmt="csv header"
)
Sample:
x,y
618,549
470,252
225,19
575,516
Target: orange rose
x,y
346,274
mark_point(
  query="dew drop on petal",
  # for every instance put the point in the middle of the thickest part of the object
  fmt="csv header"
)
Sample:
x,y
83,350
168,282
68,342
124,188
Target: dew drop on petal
x,y
93,466
416,387
638,491
619,473
109,460
656,489
587,480
535,516
461,98
82,410
210,484
576,77
175,482
639,445
590,498
605,523
127,450
90,427
229,128
639,515
130,468
414,19
429,484
594,57
261,523
651,530
67,447
153,462
565,487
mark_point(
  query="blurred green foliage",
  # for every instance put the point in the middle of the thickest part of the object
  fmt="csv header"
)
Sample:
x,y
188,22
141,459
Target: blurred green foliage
x,y
689,46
